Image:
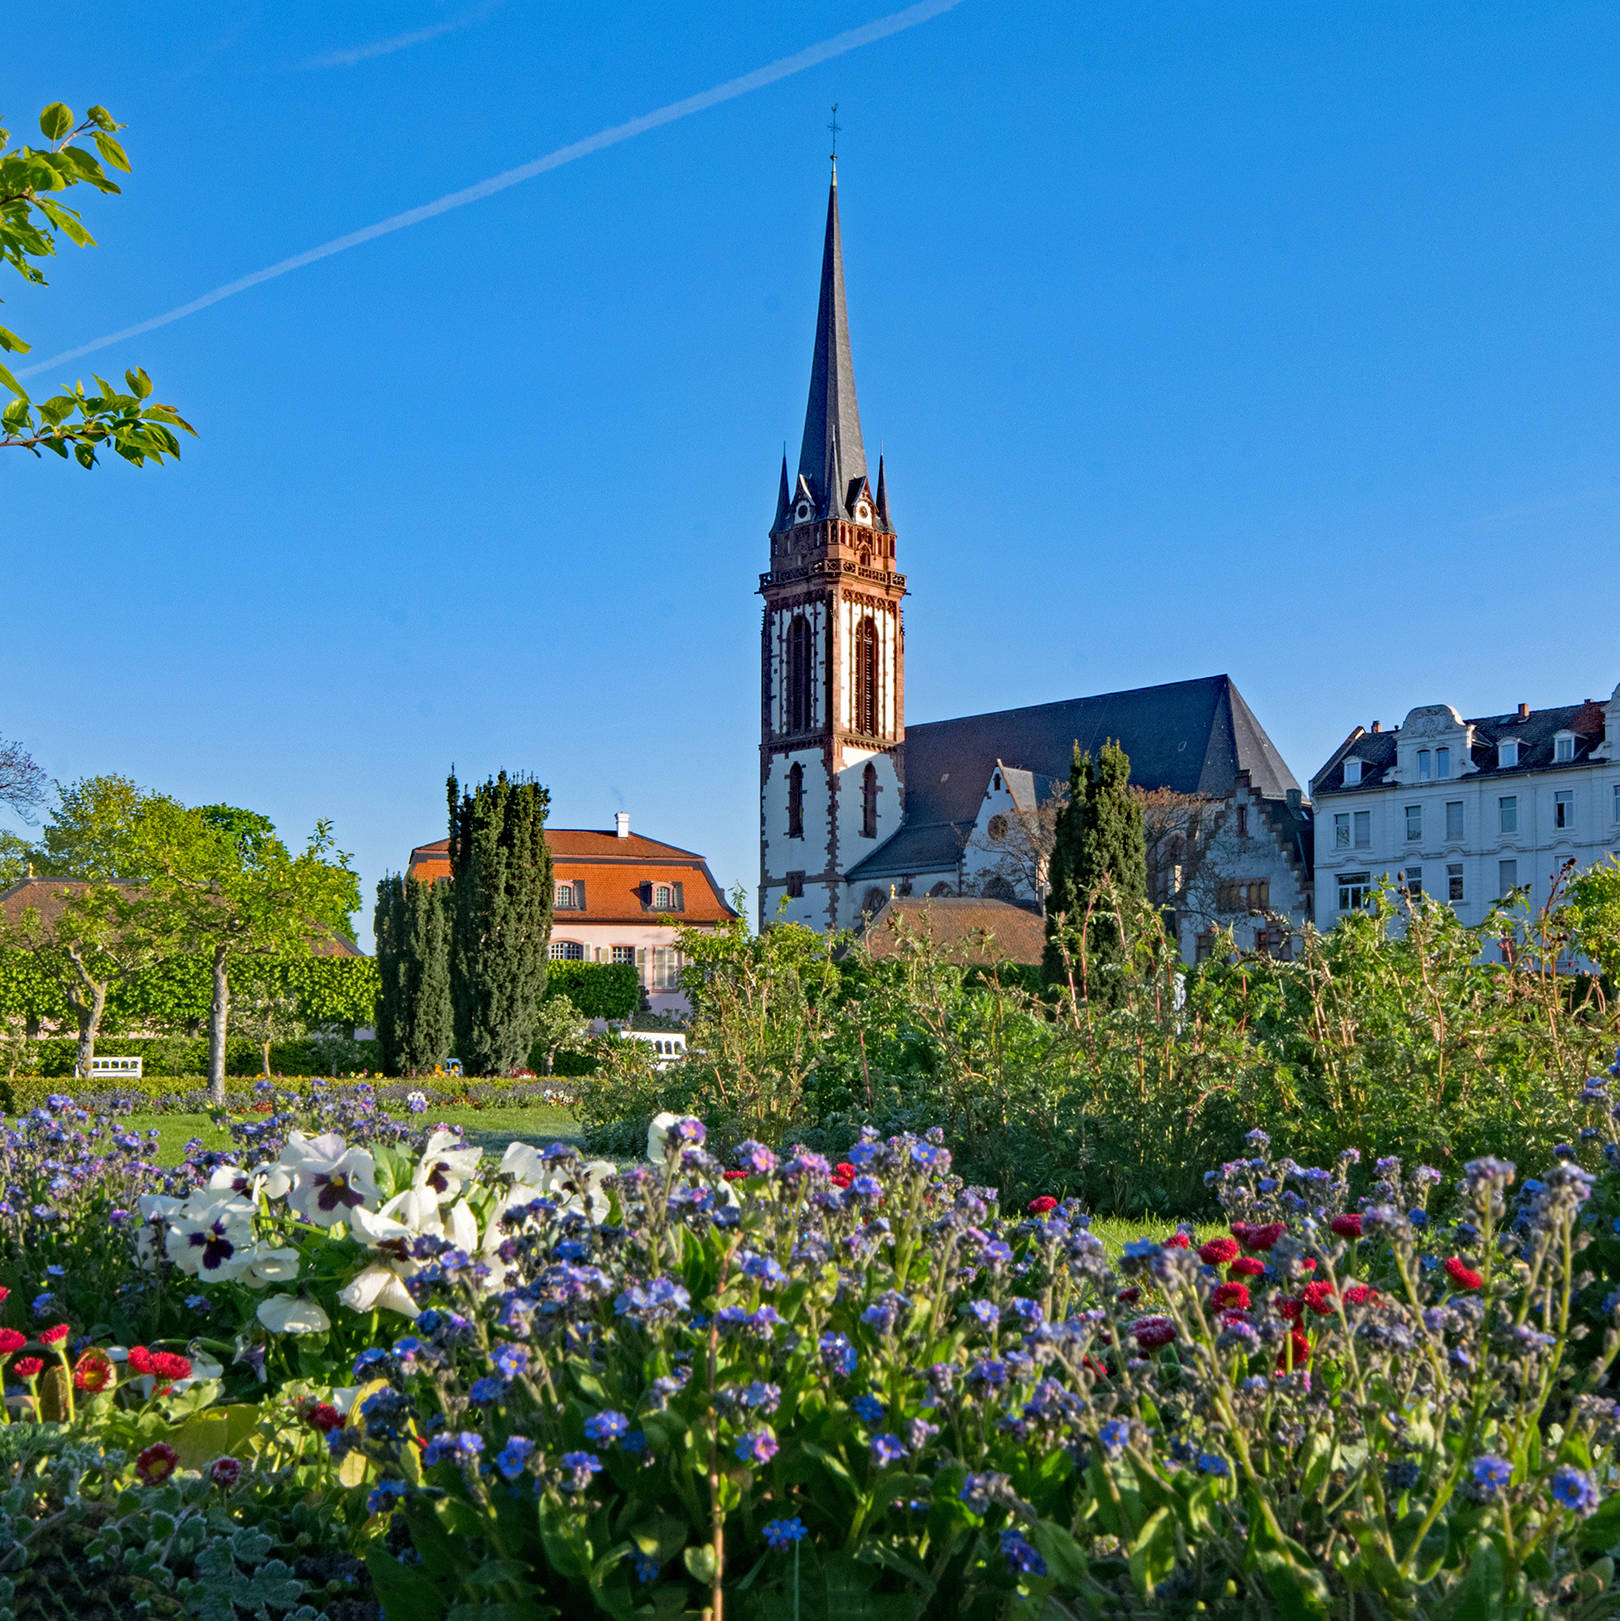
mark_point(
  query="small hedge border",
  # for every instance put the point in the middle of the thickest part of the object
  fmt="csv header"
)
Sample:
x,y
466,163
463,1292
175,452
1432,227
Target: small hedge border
x,y
188,1094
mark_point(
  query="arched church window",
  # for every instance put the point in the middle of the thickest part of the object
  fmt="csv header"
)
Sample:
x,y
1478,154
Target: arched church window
x,y
798,675
866,677
939,891
873,902
997,827
997,888
795,801
869,793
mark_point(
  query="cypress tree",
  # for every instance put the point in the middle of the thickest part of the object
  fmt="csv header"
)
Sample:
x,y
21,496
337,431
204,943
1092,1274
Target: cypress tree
x,y
428,1032
1098,844
500,919
386,929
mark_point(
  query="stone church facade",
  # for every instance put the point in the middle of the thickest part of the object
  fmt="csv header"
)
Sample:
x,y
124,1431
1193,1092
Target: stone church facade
x,y
854,808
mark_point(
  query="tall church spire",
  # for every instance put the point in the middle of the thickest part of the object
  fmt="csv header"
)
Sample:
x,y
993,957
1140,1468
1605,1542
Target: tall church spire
x,y
832,420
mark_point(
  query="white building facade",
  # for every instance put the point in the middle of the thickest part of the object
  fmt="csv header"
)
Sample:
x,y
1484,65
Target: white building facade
x,y
1468,811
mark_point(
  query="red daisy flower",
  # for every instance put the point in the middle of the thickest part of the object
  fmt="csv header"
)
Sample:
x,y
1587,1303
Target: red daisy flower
x,y
734,1176
1462,1275
225,1472
323,1416
156,1463
1231,1294
1287,1306
93,1372
1042,1202
1217,1252
11,1340
1347,1225
1179,1241
1152,1332
55,1336
1358,1294
140,1359
1247,1266
1319,1297
1259,1237
27,1367
1299,1346
1129,1297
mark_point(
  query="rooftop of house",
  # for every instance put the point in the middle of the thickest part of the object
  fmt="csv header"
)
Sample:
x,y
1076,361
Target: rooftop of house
x,y
1535,731
1190,736
966,928
618,876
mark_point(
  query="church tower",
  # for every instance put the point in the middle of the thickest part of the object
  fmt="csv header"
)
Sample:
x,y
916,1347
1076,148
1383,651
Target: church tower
x,y
832,719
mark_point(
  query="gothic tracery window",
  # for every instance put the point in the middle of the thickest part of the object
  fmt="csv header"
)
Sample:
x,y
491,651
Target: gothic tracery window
x,y
795,803
798,715
869,793
866,677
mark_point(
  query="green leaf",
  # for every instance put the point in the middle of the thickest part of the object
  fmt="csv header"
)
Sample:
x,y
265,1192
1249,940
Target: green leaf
x,y
55,121
10,341
495,1571
1285,1567
1480,1596
1153,1554
140,385
11,382
700,1564
111,152
1064,1557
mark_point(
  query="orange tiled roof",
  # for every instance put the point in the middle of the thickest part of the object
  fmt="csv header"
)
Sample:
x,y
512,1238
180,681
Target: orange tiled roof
x,y
619,875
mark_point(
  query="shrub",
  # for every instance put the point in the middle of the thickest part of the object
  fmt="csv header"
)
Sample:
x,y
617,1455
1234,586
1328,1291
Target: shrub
x,y
600,990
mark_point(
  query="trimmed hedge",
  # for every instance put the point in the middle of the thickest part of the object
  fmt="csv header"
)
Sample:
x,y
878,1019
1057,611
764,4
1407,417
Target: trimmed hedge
x,y
179,990
52,1057
600,990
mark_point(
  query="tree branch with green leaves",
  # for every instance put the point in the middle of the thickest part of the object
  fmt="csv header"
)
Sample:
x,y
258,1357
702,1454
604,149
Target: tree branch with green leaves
x,y
76,421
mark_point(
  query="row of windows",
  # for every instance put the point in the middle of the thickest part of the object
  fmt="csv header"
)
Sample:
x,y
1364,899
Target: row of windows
x,y
569,896
1352,830
800,689
1356,888
666,960
795,801
1435,764
1243,895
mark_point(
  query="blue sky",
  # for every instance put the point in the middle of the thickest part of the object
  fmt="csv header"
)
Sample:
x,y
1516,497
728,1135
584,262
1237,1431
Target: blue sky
x,y
1274,341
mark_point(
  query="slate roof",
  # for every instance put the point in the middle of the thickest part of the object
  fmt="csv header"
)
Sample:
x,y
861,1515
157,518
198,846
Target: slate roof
x,y
1534,732
832,458
958,926
1190,736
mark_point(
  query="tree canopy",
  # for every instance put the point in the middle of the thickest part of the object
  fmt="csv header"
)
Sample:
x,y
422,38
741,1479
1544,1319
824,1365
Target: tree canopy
x,y
75,421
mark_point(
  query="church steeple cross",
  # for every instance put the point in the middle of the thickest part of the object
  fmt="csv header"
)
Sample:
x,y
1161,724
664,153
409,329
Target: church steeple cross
x,y
835,126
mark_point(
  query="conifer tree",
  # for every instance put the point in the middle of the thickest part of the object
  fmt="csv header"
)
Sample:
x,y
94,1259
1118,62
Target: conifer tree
x,y
1099,860
500,927
415,1028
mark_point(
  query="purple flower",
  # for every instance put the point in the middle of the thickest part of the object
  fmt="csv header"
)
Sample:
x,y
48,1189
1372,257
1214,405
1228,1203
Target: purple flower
x,y
1490,1474
868,1409
754,1158
462,1448
837,1354
887,1449
645,1567
757,1447
1575,1490
487,1389
510,1360
1016,1549
1114,1435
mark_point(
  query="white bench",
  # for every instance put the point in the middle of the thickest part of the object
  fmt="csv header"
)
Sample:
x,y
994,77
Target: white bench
x,y
126,1067
667,1049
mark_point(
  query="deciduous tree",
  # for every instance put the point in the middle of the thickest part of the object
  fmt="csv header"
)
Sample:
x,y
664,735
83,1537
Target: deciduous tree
x,y
76,421
501,895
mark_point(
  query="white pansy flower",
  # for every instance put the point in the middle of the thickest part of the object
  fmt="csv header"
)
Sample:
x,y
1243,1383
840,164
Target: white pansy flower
x,y
156,1209
292,1314
378,1288
266,1266
213,1242
446,1167
390,1233
658,1135
327,1191
270,1179
523,1163
327,1146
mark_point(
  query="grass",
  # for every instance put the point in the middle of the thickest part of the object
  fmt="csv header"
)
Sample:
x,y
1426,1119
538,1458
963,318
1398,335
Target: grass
x,y
489,1128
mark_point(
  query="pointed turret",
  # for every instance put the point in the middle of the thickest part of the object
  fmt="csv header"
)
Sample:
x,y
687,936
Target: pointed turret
x,y
832,420
881,500
783,500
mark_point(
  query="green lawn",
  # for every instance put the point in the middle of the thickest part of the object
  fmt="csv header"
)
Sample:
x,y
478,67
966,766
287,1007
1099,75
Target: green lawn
x,y
490,1128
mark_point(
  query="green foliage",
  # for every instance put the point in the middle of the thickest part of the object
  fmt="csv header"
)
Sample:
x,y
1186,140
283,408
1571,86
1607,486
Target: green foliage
x,y
501,895
600,990
1592,912
1097,878
75,421
170,1062
415,1020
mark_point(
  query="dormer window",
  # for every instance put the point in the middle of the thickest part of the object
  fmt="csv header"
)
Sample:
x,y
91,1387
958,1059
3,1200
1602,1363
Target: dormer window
x,y
1425,765
1442,762
1352,773
1507,752
663,898
1564,748
569,897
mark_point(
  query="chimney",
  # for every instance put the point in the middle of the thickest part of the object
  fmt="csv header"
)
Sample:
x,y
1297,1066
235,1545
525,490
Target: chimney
x,y
1378,726
621,824
1524,711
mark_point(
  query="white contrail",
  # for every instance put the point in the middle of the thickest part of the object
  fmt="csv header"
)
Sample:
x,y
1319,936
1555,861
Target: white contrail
x,y
356,54
785,67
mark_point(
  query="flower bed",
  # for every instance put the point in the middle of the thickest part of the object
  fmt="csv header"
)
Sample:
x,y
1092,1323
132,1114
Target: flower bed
x,y
783,1383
